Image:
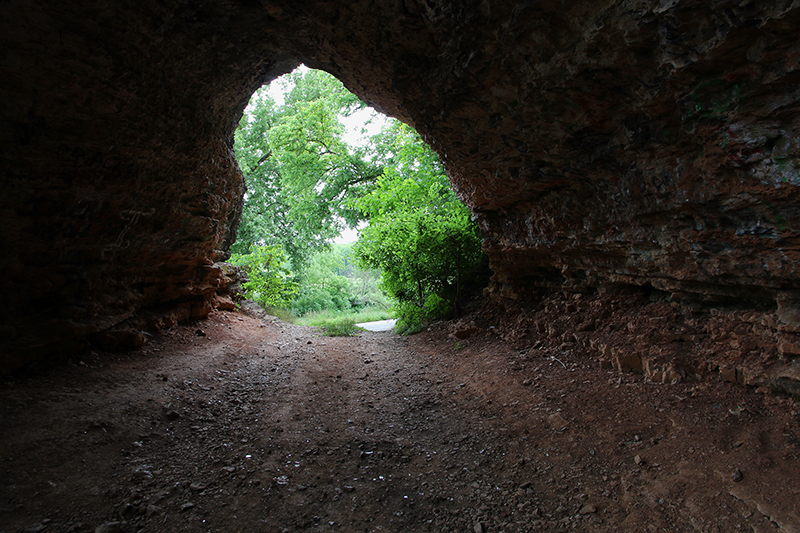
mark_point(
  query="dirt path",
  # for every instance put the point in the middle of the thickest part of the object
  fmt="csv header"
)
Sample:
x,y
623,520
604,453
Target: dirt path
x,y
234,425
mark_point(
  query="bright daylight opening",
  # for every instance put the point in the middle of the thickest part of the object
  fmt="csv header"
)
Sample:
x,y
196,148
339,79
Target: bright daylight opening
x,y
348,215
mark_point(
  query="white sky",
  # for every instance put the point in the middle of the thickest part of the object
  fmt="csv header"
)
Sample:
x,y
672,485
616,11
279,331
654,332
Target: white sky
x,y
347,236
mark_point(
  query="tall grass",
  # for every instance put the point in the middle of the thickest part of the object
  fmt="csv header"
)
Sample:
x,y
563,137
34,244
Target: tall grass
x,y
324,318
342,327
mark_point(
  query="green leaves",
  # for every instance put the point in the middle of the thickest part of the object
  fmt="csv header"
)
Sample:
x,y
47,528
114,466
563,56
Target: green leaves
x,y
331,282
420,235
298,168
271,283
305,183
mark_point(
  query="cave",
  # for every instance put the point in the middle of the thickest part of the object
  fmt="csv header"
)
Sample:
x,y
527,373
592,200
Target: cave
x,y
600,146
635,360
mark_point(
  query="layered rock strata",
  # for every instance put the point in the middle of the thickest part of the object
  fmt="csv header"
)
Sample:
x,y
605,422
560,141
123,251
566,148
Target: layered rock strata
x,y
599,143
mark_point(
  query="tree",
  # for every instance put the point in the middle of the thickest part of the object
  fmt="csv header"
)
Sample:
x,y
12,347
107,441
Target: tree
x,y
298,169
419,235
305,183
331,282
271,283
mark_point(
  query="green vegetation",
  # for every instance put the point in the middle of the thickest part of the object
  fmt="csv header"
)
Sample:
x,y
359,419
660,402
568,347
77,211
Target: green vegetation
x,y
299,171
420,235
271,284
332,282
343,327
322,318
419,249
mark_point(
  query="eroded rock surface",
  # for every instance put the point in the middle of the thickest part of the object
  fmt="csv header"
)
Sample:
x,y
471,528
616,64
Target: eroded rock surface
x,y
599,143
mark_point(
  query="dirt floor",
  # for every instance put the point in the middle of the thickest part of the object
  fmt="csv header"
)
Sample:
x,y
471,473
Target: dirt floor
x,y
234,424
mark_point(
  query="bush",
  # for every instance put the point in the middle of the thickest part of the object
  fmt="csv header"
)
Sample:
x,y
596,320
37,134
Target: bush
x,y
271,284
412,318
436,307
312,300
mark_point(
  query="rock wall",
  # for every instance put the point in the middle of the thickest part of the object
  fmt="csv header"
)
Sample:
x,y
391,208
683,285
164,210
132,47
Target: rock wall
x,y
599,143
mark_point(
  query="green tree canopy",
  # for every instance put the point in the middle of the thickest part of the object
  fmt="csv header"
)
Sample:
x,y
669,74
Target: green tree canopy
x,y
298,169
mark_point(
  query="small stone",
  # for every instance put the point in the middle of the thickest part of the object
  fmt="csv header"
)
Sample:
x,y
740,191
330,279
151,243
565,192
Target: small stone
x,y
728,374
737,476
557,422
789,348
159,496
141,473
186,506
478,528
200,333
588,509
197,486
109,527
638,460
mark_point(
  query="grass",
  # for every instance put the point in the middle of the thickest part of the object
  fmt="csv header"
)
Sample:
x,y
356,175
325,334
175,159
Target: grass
x,y
332,323
323,318
282,314
342,327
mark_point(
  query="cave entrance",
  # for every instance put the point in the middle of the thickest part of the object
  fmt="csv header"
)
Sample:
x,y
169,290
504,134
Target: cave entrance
x,y
319,165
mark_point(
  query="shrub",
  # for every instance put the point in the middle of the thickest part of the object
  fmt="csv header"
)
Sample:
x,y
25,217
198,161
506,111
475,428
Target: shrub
x,y
271,284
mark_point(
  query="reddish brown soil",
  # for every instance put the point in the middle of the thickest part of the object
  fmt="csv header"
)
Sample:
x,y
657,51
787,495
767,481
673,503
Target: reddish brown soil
x,y
230,425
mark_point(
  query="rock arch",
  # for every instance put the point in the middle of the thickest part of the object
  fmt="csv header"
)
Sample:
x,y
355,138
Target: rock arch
x,y
598,143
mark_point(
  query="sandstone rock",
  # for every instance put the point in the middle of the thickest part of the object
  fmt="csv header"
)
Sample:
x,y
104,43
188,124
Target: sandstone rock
x,y
787,379
661,371
599,145
789,348
557,422
789,311
225,303
627,361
